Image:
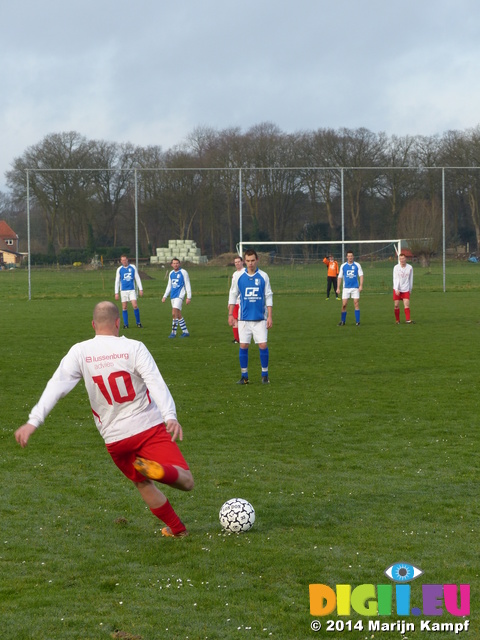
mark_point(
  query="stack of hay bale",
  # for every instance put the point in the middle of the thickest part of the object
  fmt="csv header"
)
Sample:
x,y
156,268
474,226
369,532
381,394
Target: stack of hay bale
x,y
184,250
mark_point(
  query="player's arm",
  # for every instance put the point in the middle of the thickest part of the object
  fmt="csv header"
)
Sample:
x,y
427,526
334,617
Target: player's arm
x,y
269,317
175,429
139,282
233,296
231,319
188,286
339,280
168,289
360,282
23,433
117,283
396,281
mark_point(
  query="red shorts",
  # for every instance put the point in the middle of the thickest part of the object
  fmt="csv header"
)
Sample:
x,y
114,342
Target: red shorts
x,y
235,311
403,295
154,444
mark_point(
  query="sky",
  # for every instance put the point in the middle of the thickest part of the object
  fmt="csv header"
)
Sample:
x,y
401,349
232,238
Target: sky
x,y
150,72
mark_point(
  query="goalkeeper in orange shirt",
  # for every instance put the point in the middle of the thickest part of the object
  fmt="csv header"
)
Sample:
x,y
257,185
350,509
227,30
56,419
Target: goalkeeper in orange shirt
x,y
332,275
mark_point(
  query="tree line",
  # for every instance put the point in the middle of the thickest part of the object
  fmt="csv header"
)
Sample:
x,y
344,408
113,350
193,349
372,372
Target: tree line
x,y
292,186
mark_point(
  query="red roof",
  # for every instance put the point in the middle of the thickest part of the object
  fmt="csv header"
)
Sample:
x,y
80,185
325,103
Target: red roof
x,y
6,231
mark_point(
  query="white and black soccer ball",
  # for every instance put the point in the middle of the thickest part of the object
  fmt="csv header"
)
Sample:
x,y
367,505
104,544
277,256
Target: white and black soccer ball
x,y
237,515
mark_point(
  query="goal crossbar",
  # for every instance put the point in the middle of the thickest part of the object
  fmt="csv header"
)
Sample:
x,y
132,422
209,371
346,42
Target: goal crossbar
x,y
397,243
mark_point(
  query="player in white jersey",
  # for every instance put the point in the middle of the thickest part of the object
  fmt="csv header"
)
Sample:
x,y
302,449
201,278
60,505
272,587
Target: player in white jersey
x,y
132,409
402,287
179,289
251,288
126,278
352,275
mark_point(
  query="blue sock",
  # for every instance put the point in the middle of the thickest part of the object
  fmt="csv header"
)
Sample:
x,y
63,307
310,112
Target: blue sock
x,y
344,315
243,357
357,315
125,317
264,361
137,315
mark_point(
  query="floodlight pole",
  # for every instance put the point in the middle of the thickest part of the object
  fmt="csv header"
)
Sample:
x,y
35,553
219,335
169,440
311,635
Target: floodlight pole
x,y
443,229
342,195
28,237
240,210
136,217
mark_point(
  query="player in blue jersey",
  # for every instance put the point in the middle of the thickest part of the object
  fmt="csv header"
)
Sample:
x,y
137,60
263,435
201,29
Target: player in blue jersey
x,y
125,280
251,287
352,275
179,289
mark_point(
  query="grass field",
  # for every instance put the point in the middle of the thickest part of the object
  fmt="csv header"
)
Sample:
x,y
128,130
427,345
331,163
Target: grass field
x,y
363,452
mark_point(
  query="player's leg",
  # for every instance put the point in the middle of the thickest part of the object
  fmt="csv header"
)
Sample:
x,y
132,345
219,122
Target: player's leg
x,y
124,313
356,304
245,335
335,287
157,448
161,508
236,337
171,474
158,458
175,315
396,307
406,308
329,286
136,312
343,315
260,334
181,321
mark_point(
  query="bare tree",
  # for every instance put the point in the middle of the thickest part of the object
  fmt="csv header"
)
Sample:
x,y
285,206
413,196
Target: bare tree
x,y
420,224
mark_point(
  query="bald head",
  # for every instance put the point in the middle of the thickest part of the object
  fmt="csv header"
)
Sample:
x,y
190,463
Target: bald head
x,y
106,318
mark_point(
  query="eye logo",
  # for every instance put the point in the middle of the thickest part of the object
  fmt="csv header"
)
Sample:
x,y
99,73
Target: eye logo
x,y
380,599
402,572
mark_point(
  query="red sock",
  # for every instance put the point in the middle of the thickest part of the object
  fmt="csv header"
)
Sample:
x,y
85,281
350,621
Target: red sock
x,y
407,314
169,517
397,315
235,334
171,474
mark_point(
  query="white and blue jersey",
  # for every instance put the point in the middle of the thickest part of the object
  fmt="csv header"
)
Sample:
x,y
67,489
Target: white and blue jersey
x,y
254,294
351,275
126,278
178,285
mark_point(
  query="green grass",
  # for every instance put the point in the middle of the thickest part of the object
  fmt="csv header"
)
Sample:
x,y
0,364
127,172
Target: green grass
x,y
72,283
363,451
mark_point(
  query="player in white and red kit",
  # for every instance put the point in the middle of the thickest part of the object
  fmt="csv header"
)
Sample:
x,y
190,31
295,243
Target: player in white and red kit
x,y
402,287
238,267
132,408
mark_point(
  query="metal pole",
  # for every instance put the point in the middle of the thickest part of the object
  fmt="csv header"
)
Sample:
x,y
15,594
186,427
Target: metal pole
x,y
443,228
136,219
343,213
240,208
28,238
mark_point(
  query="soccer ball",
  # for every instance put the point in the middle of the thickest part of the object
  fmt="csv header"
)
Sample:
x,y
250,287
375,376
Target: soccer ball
x,y
237,515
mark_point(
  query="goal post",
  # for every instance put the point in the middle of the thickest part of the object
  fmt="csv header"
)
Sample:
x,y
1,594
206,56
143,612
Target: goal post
x,y
297,266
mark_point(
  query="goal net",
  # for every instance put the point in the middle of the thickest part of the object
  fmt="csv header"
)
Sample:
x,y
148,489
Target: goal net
x,y
299,265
